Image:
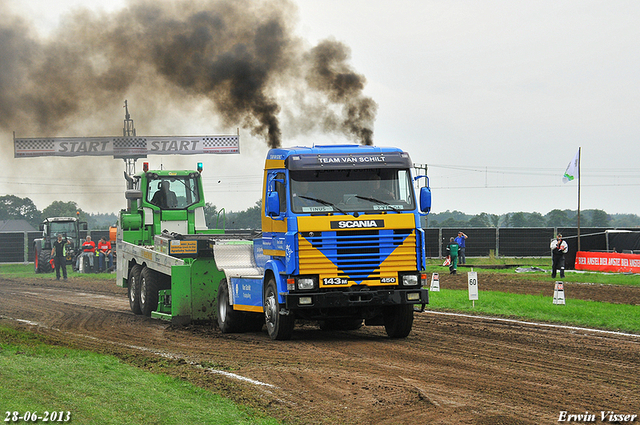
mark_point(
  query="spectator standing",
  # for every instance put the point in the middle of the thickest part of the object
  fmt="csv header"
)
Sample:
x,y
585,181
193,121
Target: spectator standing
x,y
104,251
452,251
60,256
558,249
461,241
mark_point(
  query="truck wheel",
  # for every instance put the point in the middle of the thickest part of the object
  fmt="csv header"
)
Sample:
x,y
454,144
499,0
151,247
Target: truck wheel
x,y
229,320
398,320
279,326
134,289
149,287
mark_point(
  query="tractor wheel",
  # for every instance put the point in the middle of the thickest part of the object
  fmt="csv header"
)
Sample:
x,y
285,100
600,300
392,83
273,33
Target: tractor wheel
x,y
398,320
36,259
42,260
279,326
149,287
229,320
134,289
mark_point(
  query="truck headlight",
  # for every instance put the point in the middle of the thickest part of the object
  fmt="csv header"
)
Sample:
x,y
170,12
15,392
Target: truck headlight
x,y
306,283
305,301
410,280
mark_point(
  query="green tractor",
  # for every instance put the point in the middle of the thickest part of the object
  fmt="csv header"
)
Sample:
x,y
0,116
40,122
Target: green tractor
x,y
69,228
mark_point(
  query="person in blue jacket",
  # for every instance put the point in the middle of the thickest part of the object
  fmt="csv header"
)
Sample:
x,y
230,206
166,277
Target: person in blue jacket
x,y
460,240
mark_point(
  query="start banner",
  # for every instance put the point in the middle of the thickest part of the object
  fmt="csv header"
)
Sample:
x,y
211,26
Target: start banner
x,y
608,262
123,147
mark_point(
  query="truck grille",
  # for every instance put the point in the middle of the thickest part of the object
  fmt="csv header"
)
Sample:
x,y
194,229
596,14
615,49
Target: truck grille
x,y
359,254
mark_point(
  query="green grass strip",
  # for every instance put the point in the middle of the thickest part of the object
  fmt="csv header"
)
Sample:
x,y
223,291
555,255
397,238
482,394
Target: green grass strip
x,y
97,388
14,271
570,276
591,314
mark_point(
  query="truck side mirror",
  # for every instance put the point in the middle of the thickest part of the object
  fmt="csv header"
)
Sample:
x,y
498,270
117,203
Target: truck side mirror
x,y
42,227
273,204
84,225
425,199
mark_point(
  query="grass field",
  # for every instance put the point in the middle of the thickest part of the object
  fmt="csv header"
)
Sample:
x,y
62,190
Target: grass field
x,y
591,314
435,266
26,270
90,388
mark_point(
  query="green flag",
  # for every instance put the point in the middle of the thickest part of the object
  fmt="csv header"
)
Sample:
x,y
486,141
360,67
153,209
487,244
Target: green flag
x,y
572,169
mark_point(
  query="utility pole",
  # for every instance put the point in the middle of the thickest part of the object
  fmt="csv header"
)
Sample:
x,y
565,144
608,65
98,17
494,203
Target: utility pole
x,y
129,130
421,170
418,167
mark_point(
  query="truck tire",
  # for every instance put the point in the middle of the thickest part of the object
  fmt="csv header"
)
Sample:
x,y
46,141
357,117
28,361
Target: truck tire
x,y
279,326
149,287
41,260
229,320
134,289
398,320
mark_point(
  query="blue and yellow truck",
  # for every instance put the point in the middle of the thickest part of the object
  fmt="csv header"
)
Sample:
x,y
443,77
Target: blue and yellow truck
x,y
341,244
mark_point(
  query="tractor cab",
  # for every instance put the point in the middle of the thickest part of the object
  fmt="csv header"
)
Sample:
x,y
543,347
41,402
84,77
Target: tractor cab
x,y
163,201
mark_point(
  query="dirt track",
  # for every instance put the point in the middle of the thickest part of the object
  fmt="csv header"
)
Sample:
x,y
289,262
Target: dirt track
x,y
451,369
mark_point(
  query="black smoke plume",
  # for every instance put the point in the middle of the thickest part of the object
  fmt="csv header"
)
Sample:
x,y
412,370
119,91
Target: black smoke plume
x,y
240,54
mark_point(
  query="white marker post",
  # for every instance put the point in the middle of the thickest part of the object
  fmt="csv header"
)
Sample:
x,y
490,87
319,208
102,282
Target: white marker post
x,y
472,280
558,293
435,282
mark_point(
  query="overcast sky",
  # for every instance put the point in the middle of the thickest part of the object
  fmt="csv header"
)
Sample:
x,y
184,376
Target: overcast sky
x,y
494,97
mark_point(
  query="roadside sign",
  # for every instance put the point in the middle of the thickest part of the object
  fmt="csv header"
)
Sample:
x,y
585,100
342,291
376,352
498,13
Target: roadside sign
x,y
472,279
558,293
435,282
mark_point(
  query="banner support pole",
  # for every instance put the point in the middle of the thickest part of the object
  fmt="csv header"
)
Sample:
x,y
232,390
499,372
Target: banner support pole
x,y
579,180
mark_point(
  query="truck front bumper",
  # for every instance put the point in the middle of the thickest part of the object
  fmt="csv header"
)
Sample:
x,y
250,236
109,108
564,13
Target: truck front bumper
x,y
373,298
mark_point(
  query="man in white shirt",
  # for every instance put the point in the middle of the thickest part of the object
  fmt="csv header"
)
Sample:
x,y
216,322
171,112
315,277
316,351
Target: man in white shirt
x,y
558,249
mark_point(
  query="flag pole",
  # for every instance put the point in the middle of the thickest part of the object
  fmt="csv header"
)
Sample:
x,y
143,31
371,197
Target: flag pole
x,y
579,179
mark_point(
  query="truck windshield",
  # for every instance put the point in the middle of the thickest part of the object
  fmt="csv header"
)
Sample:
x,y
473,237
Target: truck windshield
x,y
173,192
351,190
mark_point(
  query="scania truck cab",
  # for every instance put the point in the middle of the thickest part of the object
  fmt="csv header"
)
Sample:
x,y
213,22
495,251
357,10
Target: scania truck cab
x,y
341,241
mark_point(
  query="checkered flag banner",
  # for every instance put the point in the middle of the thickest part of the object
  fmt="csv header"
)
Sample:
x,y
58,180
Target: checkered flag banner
x,y
126,147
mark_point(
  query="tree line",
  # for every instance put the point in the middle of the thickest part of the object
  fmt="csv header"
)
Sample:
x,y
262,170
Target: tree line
x,y
250,219
16,208
554,218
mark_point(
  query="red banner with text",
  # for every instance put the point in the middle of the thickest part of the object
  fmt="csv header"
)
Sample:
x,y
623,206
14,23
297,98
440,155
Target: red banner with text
x,y
608,262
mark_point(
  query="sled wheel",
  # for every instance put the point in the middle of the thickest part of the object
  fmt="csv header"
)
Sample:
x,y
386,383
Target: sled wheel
x,y
229,320
149,287
134,289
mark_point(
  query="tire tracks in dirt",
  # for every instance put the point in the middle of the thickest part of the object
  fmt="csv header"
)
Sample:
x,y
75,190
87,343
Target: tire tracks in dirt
x,y
451,369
